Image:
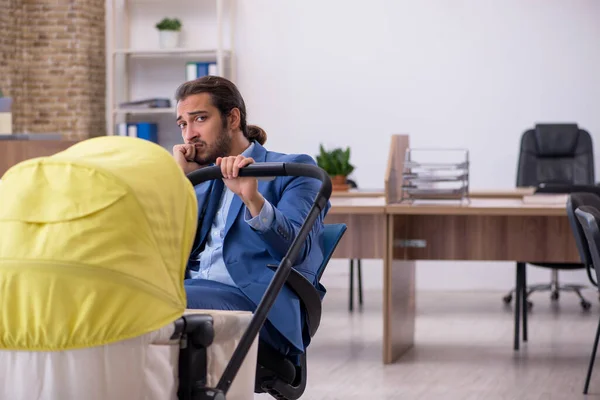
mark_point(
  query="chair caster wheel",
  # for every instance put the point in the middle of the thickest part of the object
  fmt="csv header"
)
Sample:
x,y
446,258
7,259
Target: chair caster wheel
x,y
554,296
508,298
586,305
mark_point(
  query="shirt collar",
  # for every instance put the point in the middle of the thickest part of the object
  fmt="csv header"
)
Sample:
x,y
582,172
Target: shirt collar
x,y
248,151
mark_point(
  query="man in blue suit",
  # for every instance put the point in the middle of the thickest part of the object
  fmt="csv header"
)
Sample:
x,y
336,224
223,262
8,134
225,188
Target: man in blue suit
x,y
244,224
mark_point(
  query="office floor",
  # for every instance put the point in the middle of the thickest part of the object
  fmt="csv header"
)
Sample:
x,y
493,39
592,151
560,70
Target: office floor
x,y
463,351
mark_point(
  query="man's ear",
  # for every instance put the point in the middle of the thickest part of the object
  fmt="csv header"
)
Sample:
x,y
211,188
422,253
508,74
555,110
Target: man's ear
x,y
233,119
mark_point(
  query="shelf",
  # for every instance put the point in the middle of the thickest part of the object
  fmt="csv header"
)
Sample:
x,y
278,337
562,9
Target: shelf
x,y
138,111
182,52
138,68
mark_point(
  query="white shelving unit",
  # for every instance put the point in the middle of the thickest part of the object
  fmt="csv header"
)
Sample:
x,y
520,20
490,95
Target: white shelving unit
x,y
138,69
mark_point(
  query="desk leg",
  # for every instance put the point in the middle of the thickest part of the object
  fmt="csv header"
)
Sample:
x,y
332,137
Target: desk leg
x,y
518,303
398,301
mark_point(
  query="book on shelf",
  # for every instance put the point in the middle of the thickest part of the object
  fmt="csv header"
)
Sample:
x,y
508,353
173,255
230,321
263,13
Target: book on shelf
x,y
147,103
141,130
195,70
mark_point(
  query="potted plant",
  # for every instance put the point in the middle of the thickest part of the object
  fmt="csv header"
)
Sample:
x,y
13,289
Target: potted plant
x,y
169,30
337,164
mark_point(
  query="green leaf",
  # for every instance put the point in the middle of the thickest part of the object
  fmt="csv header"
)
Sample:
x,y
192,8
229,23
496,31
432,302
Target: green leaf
x,y
335,162
168,24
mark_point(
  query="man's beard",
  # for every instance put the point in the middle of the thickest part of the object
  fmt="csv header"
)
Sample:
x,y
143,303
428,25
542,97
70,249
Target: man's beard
x,y
220,148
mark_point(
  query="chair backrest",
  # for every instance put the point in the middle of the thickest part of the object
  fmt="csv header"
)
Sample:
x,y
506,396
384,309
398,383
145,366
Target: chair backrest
x,y
555,153
332,234
588,217
575,201
276,373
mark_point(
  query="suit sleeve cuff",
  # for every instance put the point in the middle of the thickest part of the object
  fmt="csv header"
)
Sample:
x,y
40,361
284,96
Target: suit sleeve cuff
x,y
263,221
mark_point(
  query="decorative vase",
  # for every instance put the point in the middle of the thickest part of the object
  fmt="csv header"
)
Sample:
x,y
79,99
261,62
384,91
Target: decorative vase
x,y
338,183
168,39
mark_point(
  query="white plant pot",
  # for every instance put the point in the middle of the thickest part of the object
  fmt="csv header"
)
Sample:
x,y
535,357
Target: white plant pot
x,y
168,39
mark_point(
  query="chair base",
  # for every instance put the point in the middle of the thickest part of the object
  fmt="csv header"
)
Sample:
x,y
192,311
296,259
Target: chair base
x,y
554,295
555,288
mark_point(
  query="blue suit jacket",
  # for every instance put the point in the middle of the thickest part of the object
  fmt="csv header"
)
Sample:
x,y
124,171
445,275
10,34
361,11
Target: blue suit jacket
x,y
247,252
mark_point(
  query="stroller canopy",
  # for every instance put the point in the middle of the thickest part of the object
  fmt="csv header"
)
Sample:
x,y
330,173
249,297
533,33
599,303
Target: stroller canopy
x,y
94,242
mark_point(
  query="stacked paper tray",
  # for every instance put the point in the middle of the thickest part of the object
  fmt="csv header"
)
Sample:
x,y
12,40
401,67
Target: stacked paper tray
x,y
435,174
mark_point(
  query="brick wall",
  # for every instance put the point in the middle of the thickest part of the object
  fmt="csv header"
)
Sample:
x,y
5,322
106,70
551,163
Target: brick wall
x,y
54,66
8,37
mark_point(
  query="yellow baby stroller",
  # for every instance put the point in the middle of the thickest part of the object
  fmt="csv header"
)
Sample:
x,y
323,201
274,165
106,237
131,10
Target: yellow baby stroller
x,y
94,243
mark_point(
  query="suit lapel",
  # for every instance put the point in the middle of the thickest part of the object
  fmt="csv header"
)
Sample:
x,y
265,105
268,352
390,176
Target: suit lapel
x,y
259,154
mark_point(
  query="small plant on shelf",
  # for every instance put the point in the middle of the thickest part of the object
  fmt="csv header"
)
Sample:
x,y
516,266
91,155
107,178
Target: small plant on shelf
x,y
337,164
169,24
169,30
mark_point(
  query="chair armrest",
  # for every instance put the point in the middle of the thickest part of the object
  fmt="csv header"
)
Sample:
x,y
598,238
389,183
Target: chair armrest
x,y
309,296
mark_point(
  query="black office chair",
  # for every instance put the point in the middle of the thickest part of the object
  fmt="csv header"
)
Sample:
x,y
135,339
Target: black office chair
x,y
276,374
555,156
580,195
575,201
589,217
353,185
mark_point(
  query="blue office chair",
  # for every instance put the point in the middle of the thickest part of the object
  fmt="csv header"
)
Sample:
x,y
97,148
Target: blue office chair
x,y
276,374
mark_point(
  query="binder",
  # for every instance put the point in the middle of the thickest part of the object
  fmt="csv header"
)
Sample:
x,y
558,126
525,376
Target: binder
x,y
195,70
147,131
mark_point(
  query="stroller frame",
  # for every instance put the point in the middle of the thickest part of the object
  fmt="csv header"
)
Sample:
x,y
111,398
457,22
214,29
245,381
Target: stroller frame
x,y
196,332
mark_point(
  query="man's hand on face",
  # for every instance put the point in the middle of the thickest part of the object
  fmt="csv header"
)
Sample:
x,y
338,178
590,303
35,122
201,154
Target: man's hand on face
x,y
184,156
245,187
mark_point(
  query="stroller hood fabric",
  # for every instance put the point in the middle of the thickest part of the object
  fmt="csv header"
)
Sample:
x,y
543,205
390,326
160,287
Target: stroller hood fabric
x,y
94,242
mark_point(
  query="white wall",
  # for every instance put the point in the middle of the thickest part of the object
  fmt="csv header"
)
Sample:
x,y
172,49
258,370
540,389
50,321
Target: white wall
x,y
456,73
470,74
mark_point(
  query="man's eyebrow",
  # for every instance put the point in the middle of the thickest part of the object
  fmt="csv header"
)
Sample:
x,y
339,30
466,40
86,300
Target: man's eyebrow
x,y
192,113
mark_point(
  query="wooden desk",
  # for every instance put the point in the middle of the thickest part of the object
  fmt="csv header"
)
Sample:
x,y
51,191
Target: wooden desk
x,y
486,229
365,217
14,151
515,193
496,225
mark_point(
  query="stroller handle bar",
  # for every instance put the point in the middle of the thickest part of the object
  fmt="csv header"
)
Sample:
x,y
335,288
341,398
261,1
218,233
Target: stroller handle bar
x,y
269,169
